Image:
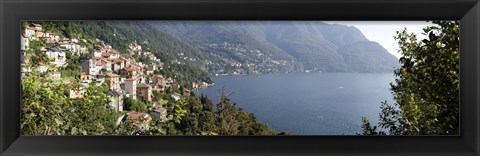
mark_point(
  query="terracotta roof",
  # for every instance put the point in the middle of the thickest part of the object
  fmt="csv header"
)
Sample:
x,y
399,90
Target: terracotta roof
x,y
137,115
123,58
143,85
131,68
128,69
98,63
131,79
106,54
112,75
113,51
31,28
105,60
116,60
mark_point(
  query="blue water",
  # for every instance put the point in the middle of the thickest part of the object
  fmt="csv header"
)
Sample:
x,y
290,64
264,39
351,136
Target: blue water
x,y
308,103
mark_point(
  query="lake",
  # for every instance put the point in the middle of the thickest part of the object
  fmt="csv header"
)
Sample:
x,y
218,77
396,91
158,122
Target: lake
x,y
308,103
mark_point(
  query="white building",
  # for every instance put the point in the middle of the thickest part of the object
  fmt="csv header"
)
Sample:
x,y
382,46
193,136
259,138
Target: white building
x,y
131,87
116,100
30,32
58,56
24,42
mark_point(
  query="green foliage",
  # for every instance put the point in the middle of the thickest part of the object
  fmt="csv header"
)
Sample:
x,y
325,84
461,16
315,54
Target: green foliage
x,y
427,86
232,120
196,115
179,110
46,110
130,104
34,54
69,29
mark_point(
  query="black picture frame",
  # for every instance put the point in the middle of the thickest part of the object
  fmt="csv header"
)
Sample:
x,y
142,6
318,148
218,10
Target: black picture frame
x,y
12,11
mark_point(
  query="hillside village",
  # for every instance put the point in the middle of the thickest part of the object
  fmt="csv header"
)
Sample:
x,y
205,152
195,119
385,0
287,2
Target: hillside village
x,y
125,76
261,63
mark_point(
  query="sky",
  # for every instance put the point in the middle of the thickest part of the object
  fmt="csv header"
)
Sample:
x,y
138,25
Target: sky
x,y
383,31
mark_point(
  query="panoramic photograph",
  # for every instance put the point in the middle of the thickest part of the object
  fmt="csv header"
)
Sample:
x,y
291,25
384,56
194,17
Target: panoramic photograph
x,y
244,78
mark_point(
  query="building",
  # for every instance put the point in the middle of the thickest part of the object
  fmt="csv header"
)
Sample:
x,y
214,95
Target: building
x,y
131,87
106,64
58,56
159,81
106,55
38,27
136,116
131,71
134,48
99,66
114,54
39,33
51,37
30,32
24,42
99,79
113,81
186,92
116,100
160,113
144,92
175,96
116,64
149,71
97,53
89,67
86,78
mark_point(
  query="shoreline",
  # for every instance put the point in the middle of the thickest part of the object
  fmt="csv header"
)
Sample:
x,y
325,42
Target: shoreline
x,y
239,75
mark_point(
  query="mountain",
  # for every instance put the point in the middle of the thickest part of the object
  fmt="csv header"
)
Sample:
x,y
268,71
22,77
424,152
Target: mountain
x,y
290,46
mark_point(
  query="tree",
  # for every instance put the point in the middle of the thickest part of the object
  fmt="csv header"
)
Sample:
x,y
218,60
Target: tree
x,y
426,89
34,54
227,115
127,103
47,110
